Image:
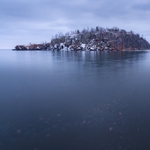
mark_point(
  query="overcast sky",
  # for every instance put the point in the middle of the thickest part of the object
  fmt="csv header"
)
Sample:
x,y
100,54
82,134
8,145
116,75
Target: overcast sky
x,y
36,21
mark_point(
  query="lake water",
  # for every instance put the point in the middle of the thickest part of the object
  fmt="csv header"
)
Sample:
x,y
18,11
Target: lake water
x,y
59,100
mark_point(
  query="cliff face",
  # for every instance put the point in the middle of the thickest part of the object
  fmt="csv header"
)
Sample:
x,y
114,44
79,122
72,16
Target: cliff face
x,y
93,39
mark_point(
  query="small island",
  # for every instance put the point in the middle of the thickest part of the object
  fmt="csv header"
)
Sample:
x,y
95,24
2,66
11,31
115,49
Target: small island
x,y
94,39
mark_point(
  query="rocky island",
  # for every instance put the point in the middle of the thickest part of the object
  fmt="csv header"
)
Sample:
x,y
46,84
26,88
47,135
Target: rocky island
x,y
92,39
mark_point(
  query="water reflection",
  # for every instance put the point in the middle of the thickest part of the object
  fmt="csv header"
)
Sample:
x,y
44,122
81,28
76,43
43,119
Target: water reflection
x,y
74,100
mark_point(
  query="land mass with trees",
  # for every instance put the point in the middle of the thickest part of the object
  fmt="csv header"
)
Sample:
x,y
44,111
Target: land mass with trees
x,y
94,39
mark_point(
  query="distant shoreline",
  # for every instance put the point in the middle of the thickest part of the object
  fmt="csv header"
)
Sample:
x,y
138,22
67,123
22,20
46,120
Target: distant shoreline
x,y
98,39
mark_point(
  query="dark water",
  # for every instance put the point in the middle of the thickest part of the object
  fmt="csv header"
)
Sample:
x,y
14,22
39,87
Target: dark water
x,y
74,100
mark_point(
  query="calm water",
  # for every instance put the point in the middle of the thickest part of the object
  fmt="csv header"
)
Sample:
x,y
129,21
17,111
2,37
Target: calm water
x,y
53,100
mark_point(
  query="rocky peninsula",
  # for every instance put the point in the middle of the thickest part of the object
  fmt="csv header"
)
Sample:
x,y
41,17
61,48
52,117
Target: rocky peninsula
x,y
92,39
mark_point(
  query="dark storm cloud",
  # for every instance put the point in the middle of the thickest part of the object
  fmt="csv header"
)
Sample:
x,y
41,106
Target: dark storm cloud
x,y
40,19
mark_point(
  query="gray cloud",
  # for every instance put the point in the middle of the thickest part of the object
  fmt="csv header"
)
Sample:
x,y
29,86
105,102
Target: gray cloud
x,y
142,6
37,20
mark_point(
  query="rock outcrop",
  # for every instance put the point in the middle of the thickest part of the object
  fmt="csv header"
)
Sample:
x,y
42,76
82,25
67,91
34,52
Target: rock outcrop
x,y
93,39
